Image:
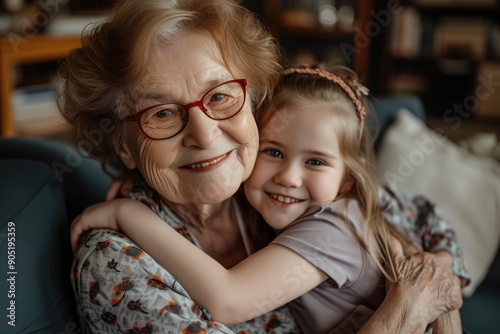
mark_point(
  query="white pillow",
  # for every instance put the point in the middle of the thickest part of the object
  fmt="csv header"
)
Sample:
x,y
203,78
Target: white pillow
x,y
465,187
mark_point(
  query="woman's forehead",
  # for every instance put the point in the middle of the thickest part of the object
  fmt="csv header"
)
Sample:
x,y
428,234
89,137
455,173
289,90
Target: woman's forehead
x,y
184,68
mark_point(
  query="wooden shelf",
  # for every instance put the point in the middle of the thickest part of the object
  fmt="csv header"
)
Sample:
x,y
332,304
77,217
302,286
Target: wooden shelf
x,y
34,50
317,31
461,9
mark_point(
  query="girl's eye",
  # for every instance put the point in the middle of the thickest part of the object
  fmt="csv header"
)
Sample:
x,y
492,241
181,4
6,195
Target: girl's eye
x,y
315,162
273,153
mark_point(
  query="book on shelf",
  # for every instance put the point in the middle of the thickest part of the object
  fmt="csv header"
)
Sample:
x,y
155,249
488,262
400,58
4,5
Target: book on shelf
x,y
487,90
406,33
35,111
494,41
436,3
460,37
407,83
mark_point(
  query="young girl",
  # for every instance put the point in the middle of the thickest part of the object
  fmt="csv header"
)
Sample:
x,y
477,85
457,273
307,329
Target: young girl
x,y
314,183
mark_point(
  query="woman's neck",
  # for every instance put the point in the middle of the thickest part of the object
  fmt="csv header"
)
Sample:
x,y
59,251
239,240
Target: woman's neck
x,y
215,228
200,216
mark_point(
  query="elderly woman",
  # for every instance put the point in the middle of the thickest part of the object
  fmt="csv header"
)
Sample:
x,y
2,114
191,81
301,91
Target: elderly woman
x,y
167,89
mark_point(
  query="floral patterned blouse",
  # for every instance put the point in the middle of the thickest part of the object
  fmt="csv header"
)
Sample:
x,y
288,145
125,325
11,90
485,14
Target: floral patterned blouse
x,y
121,289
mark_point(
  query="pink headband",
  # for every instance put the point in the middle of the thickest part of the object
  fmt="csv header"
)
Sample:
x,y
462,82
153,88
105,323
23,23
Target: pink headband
x,y
360,109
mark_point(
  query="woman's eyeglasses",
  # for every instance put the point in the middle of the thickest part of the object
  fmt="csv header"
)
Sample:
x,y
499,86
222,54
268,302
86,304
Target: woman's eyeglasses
x,y
167,120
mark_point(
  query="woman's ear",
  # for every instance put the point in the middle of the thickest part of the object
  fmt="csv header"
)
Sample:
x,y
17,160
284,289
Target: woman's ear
x,y
126,155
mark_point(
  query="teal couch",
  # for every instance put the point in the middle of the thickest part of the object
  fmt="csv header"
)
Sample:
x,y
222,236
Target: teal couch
x,y
45,184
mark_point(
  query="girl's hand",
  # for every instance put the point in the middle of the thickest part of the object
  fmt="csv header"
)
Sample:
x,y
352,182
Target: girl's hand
x,y
102,215
120,187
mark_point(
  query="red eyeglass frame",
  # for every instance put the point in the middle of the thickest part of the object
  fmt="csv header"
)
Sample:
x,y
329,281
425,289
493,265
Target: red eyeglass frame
x,y
138,115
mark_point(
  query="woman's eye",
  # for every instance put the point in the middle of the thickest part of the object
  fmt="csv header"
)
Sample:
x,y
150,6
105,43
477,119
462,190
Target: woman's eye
x,y
273,153
163,113
217,97
315,162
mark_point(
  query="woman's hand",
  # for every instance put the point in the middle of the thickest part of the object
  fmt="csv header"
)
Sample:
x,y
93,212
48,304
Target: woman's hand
x,y
427,284
450,322
426,290
102,215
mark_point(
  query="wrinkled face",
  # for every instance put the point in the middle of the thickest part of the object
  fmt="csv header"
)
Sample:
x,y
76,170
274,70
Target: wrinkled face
x,y
206,162
299,164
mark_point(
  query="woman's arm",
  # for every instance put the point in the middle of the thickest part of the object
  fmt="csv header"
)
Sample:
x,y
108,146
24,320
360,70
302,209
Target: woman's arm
x,y
255,286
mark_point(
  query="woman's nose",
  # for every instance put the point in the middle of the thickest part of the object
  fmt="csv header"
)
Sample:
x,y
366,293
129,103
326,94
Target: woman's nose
x,y
200,129
289,176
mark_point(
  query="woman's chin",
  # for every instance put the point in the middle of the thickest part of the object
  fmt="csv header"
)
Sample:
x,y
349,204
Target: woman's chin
x,y
216,189
216,193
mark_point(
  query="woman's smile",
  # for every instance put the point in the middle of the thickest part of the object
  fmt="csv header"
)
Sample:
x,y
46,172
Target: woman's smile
x,y
208,164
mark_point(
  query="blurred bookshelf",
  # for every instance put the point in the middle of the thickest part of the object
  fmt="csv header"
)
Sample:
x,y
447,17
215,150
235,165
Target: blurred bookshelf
x,y
445,51
448,53
309,31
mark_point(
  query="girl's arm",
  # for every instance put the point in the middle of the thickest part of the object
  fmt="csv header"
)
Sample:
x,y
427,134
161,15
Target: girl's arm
x,y
262,282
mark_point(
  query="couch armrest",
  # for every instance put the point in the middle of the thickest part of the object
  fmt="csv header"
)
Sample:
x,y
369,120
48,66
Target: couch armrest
x,y
82,180
33,223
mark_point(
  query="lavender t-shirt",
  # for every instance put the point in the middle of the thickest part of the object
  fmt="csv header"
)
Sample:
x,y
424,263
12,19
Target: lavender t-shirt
x,y
355,287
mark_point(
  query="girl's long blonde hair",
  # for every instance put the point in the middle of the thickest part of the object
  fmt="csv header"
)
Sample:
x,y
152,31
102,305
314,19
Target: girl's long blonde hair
x,y
348,104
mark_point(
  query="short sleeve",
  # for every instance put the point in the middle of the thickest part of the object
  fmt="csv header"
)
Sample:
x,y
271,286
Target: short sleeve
x,y
323,237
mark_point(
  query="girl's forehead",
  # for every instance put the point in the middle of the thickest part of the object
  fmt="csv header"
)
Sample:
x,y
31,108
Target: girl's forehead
x,y
302,108
298,119
302,132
